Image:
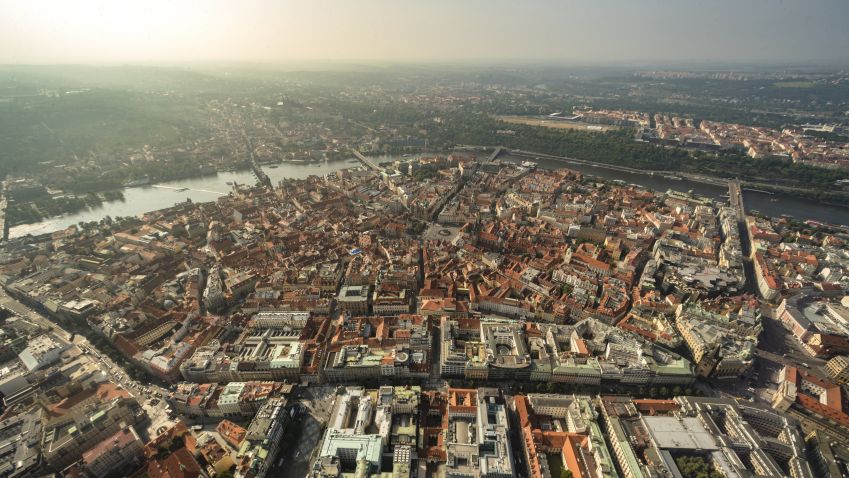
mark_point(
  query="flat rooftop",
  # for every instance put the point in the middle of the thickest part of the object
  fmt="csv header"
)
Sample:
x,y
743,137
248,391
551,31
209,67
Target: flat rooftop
x,y
673,433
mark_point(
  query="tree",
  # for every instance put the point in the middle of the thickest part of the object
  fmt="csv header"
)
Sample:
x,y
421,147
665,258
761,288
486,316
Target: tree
x,y
695,467
565,473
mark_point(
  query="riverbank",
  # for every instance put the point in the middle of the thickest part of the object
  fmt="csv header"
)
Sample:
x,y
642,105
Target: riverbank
x,y
143,198
140,199
700,178
52,206
771,203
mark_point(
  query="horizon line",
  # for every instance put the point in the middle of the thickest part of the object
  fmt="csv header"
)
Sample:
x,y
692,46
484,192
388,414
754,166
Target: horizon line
x,y
630,63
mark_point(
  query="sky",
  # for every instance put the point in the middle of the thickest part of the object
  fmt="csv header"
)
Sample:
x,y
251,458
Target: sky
x,y
581,31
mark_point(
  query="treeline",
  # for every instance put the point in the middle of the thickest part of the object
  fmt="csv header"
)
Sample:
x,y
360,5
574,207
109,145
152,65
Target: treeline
x,y
619,148
759,102
166,169
106,347
35,211
662,392
724,114
38,133
829,136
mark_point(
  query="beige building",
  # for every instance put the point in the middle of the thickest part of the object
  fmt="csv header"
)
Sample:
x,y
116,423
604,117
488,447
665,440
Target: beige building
x,y
354,299
719,349
117,451
838,369
66,438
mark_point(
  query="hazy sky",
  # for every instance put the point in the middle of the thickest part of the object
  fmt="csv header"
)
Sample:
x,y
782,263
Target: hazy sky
x,y
108,31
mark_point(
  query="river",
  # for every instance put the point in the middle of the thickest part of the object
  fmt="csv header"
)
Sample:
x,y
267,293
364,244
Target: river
x,y
141,199
765,203
138,200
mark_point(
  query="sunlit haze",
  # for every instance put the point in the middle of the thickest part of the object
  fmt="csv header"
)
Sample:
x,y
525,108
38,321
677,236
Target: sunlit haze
x,y
424,238
106,31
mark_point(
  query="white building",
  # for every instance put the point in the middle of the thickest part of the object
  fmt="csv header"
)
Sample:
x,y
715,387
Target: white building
x,y
41,352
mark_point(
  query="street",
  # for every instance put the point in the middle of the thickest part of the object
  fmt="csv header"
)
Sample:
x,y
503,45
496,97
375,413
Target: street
x,y
777,348
149,396
22,310
516,442
778,345
158,418
315,407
